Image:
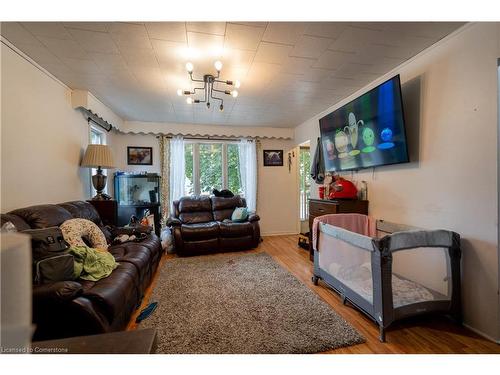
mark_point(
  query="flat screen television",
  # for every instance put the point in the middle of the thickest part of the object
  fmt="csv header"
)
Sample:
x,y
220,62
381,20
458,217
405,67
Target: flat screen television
x,y
366,132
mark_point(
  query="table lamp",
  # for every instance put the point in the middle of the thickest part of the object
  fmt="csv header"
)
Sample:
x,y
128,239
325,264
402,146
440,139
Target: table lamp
x,y
98,156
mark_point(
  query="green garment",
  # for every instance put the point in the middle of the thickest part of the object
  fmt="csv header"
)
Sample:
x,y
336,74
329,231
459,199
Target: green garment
x,y
91,264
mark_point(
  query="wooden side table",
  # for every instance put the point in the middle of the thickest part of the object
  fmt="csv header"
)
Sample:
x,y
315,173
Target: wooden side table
x,y
107,209
141,341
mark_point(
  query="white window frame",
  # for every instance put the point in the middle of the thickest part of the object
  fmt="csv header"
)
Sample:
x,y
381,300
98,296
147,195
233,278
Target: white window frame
x,y
196,161
102,134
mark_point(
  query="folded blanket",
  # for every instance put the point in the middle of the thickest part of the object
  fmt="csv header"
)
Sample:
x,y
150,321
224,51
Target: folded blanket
x,y
358,223
91,264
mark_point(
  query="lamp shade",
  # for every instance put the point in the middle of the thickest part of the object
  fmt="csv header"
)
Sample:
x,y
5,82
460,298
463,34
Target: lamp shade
x,y
98,156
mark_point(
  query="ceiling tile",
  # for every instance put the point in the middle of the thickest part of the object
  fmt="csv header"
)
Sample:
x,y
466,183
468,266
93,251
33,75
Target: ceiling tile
x,y
39,53
311,46
143,58
353,39
15,33
238,58
325,29
64,48
170,53
272,53
283,32
129,35
93,41
108,61
332,59
315,74
378,26
173,31
82,66
243,37
217,28
47,29
206,44
90,26
297,65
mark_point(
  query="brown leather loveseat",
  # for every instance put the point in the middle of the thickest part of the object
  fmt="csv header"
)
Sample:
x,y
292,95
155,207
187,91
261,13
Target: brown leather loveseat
x,y
81,307
201,224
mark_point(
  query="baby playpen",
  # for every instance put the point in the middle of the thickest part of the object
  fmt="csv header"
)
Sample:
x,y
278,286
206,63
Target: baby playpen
x,y
388,271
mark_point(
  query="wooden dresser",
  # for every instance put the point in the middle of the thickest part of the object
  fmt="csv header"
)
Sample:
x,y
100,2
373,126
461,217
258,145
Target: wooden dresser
x,y
319,207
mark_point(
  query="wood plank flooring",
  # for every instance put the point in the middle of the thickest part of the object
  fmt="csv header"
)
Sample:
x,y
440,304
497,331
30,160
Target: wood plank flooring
x,y
420,335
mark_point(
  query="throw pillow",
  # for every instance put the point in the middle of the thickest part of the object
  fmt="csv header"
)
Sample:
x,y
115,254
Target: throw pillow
x,y
74,229
240,214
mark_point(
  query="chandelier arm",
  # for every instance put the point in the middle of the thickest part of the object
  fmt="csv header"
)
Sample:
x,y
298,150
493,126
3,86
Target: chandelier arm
x,y
222,91
222,81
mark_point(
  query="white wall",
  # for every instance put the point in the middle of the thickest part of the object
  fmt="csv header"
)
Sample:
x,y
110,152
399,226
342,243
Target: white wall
x,y
278,191
450,94
43,137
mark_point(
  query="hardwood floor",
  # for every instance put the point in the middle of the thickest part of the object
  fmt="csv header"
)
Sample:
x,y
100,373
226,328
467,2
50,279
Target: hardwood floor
x,y
420,335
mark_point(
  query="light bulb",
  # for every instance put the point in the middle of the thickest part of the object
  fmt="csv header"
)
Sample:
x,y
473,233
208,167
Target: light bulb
x,y
179,92
234,93
237,84
189,100
189,67
218,65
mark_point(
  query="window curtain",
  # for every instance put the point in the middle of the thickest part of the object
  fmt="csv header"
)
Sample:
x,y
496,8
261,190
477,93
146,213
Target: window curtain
x,y
177,171
165,178
248,171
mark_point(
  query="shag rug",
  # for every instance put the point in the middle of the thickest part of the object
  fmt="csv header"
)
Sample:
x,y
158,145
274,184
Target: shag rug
x,y
241,303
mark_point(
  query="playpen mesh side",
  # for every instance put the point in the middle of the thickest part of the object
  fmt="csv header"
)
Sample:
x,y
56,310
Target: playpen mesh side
x,y
348,263
420,274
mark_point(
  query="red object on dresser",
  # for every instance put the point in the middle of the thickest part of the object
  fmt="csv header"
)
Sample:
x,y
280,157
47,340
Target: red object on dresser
x,y
343,189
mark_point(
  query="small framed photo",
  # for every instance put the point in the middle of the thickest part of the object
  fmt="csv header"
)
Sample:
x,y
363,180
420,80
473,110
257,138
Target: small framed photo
x,y
273,158
139,155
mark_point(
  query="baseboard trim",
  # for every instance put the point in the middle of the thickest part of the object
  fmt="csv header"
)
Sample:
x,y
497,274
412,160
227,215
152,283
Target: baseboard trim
x,y
482,334
270,234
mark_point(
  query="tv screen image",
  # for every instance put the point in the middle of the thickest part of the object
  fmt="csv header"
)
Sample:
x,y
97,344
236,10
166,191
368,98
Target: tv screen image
x,y
366,132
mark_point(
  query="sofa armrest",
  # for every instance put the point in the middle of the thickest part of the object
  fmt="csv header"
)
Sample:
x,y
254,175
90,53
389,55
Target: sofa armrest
x,y
253,217
173,222
60,291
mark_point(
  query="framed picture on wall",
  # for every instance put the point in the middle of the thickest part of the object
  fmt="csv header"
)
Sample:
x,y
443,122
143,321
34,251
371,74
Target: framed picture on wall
x,y
273,158
139,155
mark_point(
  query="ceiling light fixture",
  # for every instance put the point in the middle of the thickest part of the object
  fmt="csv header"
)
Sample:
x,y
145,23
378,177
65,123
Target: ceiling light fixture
x,y
209,81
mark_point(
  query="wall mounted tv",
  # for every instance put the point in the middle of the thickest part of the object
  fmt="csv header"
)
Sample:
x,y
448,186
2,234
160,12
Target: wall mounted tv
x,y
367,132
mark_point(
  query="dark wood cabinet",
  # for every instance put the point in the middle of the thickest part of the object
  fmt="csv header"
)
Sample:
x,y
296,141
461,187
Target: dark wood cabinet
x,y
319,207
107,209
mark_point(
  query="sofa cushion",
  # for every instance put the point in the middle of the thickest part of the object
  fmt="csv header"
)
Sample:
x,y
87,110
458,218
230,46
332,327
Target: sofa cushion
x,y
43,216
196,217
82,210
223,208
115,292
195,204
18,222
202,231
232,229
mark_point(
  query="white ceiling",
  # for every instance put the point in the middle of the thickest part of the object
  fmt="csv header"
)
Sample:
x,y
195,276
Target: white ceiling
x,y
289,71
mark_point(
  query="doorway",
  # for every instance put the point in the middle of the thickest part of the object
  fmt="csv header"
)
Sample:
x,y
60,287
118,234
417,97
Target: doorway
x,y
304,185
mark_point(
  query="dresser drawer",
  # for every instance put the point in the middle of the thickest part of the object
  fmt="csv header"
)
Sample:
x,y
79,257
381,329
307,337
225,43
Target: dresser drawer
x,y
318,208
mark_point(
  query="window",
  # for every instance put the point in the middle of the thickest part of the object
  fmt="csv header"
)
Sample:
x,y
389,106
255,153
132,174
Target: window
x,y
97,137
212,165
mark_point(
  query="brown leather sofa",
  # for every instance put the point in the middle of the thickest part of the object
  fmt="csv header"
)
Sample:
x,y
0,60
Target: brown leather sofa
x,y
201,224
75,308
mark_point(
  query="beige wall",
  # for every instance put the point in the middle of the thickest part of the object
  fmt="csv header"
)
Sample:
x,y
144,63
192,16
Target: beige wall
x,y
277,196
43,137
450,94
